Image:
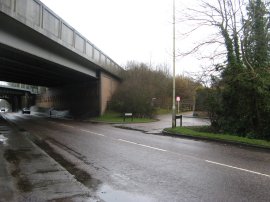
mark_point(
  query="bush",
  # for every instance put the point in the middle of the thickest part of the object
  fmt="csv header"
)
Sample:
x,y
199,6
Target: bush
x,y
140,89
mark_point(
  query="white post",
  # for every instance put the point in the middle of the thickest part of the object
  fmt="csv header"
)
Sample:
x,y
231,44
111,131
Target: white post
x,y
178,106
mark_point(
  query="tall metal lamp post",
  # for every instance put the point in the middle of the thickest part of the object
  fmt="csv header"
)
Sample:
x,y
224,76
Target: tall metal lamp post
x,y
173,97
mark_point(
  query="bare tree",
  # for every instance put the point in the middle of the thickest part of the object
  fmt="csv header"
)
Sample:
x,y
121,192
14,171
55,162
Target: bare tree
x,y
222,45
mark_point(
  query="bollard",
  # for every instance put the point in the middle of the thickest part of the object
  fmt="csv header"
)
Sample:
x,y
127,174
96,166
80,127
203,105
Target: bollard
x,y
181,119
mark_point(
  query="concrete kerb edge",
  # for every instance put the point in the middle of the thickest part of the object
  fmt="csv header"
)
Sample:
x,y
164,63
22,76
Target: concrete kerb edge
x,y
179,135
106,122
129,128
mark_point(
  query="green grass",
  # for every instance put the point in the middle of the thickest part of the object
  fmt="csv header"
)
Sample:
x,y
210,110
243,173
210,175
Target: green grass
x,y
113,117
193,132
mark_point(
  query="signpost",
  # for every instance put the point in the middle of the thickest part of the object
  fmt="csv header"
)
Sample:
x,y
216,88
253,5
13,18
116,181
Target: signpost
x,y
178,100
126,115
173,97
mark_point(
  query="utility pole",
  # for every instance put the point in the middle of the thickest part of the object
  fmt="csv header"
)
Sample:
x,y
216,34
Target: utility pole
x,y
173,97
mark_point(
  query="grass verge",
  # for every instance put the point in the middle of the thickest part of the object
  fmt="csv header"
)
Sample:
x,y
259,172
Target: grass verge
x,y
112,117
193,132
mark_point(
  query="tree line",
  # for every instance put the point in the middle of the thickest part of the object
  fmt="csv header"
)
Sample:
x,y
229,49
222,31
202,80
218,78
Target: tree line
x,y
238,97
145,89
238,100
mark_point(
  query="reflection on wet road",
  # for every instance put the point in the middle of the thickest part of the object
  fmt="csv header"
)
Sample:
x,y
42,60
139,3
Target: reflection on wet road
x,y
3,139
107,193
3,131
133,166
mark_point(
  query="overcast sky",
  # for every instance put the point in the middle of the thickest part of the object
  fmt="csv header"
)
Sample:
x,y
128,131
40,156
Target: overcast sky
x,y
128,30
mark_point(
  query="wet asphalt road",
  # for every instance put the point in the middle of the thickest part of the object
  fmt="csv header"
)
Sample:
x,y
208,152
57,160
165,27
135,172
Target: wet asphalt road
x,y
129,165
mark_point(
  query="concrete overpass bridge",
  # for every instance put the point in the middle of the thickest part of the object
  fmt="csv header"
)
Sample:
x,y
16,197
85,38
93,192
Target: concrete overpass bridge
x,y
17,97
37,47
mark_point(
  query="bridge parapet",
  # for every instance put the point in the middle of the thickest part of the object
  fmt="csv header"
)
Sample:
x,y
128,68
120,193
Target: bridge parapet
x,y
19,87
39,17
24,87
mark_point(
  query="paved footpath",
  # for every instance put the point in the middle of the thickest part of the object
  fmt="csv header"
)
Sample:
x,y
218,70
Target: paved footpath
x,y
165,121
27,173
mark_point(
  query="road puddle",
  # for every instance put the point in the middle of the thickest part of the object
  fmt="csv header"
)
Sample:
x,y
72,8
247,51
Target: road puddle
x,y
107,193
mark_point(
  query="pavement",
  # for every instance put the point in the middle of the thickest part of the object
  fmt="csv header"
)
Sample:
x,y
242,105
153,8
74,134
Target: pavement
x,y
27,173
165,121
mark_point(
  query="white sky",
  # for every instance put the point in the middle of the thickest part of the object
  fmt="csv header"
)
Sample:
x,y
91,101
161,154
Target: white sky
x,y
128,30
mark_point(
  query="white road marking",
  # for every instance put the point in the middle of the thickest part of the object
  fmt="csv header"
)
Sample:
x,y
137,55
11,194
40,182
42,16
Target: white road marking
x,y
237,168
87,131
155,148
66,125
142,145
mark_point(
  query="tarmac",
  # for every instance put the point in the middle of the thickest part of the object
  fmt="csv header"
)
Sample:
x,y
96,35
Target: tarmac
x,y
27,173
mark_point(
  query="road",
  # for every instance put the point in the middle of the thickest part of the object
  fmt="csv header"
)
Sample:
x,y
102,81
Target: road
x,y
127,165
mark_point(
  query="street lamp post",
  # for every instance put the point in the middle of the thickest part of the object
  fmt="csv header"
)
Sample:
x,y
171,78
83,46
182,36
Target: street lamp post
x,y
173,97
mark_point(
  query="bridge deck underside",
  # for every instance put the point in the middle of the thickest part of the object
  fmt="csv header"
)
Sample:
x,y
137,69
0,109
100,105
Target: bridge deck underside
x,y
28,57
20,67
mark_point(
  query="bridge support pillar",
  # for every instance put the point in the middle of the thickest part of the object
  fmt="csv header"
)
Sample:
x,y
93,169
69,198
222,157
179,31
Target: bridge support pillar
x,y
15,104
82,100
108,86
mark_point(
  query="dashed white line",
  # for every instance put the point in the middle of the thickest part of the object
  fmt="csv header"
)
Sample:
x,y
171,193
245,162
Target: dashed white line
x,y
237,168
87,131
66,125
163,150
155,148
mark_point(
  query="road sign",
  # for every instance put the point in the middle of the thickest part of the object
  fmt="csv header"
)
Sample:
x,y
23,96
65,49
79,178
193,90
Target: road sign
x,y
178,98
